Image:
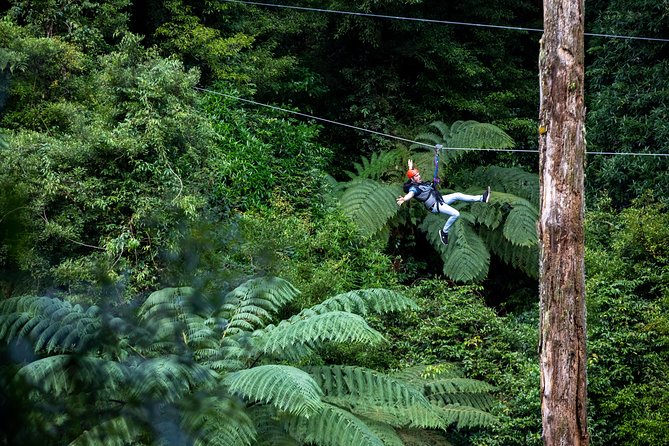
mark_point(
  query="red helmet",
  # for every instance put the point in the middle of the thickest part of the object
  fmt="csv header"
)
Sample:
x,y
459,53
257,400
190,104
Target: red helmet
x,y
412,173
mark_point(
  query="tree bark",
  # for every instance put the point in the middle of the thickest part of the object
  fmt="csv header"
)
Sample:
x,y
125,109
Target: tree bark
x,y
562,346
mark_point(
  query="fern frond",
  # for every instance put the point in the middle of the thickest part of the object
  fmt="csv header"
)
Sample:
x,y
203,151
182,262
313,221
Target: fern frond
x,y
464,134
369,204
52,324
466,416
461,391
335,326
525,259
385,432
333,426
378,164
168,378
520,227
165,303
422,437
288,388
377,396
466,257
118,431
63,374
215,421
270,427
251,304
510,180
362,302
478,134
420,374
368,384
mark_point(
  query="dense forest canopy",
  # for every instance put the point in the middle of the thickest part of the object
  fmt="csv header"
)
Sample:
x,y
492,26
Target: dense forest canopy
x,y
181,266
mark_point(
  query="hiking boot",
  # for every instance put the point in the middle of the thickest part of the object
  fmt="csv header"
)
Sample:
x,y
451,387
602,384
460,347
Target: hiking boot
x,y
444,237
486,195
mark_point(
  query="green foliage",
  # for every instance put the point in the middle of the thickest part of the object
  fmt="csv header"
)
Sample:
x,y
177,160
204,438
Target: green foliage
x,y
628,328
512,213
107,193
627,112
260,158
168,361
90,25
462,135
455,326
322,255
369,204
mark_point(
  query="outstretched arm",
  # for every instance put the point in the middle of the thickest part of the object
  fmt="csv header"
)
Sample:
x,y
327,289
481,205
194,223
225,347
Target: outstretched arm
x,y
404,198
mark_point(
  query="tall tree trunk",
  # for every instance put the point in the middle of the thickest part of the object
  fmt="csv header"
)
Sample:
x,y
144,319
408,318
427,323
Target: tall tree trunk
x,y
562,272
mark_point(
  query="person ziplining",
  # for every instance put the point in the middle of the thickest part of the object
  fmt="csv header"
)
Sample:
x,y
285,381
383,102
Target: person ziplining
x,y
427,193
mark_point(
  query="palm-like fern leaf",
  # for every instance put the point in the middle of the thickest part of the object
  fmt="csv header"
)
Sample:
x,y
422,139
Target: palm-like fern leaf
x,y
376,396
386,433
53,324
378,164
420,374
63,374
168,302
511,180
466,257
167,378
464,134
334,326
461,391
215,421
250,305
270,427
466,416
369,204
525,259
288,388
333,426
362,302
366,384
118,431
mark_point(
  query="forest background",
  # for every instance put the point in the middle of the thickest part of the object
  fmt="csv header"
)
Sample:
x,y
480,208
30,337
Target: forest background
x,y
129,166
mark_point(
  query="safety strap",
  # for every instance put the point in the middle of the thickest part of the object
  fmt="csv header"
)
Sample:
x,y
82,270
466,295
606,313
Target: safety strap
x,y
435,178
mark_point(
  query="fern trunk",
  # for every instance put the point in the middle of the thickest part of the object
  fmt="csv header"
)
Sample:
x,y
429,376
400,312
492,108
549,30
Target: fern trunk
x,y
562,276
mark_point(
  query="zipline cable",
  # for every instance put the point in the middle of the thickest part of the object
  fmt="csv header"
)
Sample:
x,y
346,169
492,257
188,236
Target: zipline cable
x,y
386,135
443,22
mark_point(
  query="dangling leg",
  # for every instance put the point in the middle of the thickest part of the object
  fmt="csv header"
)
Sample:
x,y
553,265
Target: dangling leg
x,y
453,213
452,198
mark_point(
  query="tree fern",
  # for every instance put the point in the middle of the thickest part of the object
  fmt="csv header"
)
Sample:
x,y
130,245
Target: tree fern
x,y
363,383
511,180
362,302
333,326
466,256
252,304
525,259
183,371
460,391
369,204
386,433
288,388
333,426
168,378
464,134
271,427
54,325
118,431
379,164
